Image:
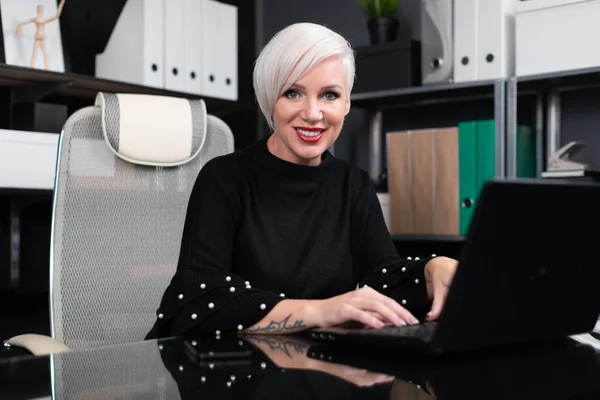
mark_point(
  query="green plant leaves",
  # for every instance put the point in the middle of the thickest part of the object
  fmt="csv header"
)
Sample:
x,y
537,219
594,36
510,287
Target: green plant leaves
x,y
379,8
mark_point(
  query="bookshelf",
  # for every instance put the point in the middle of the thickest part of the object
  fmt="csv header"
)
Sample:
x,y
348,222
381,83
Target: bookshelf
x,y
546,114
384,103
30,84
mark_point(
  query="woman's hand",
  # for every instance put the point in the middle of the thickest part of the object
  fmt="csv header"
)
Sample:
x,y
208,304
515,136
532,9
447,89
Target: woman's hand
x,y
439,273
365,305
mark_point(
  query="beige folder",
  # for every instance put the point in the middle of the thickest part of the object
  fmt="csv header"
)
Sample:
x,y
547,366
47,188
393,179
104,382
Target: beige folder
x,y
423,181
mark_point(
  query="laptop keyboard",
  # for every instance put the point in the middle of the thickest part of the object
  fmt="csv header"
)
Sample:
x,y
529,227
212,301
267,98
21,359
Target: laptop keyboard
x,y
423,331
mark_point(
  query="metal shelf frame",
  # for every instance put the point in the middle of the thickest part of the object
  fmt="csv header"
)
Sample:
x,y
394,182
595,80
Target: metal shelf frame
x,y
377,103
548,89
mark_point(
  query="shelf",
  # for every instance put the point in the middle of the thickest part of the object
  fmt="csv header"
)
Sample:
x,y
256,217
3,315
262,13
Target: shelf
x,y
426,94
429,238
86,87
563,80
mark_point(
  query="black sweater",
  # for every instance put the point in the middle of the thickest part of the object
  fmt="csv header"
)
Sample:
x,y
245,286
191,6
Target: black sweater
x,y
259,229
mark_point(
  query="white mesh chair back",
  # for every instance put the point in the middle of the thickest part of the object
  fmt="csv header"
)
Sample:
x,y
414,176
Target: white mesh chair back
x,y
117,224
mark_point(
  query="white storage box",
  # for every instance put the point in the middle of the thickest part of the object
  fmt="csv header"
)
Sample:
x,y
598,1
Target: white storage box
x,y
557,38
27,159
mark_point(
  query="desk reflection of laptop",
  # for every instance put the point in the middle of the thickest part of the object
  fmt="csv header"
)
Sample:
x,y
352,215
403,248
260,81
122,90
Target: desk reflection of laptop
x,y
568,370
529,272
281,366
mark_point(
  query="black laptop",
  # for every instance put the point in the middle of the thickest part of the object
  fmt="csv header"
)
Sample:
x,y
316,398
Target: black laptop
x,y
529,272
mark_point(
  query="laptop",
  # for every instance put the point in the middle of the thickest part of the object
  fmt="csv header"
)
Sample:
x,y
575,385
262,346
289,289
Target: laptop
x,y
529,272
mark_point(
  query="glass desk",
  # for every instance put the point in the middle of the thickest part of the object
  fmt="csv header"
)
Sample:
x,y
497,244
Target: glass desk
x,y
290,367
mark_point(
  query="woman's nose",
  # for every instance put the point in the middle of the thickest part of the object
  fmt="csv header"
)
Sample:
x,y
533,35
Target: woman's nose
x,y
312,111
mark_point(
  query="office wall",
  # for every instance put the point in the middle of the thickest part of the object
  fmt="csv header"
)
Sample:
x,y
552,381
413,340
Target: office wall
x,y
348,19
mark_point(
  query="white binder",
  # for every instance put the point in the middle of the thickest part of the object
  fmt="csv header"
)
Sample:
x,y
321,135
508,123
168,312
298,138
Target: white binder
x,y
174,45
192,74
436,41
466,40
135,49
219,50
210,48
496,39
228,36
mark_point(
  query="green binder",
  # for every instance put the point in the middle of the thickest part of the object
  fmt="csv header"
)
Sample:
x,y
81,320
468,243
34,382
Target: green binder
x,y
467,173
477,162
526,156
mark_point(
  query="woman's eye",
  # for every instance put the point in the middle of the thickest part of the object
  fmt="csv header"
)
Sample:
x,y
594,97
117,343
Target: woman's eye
x,y
291,94
331,95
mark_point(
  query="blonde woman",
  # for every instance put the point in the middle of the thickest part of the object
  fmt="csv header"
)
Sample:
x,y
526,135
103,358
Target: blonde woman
x,y
282,236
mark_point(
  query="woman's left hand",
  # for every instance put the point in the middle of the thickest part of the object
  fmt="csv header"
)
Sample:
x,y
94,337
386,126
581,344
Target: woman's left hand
x,y
439,273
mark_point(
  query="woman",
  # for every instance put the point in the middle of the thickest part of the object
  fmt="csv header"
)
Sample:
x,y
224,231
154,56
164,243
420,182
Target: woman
x,y
281,236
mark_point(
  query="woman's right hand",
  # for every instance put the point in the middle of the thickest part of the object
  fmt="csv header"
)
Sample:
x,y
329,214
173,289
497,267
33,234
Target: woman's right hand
x,y
364,305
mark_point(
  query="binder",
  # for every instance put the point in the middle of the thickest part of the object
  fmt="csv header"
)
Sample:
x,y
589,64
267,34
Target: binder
x,y
422,171
436,41
219,50
466,40
423,181
192,74
526,152
399,187
467,173
135,50
228,38
445,157
485,154
435,176
174,45
496,39
482,145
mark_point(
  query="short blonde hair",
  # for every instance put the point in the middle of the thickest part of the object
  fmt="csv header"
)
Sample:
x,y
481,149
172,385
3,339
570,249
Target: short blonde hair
x,y
291,53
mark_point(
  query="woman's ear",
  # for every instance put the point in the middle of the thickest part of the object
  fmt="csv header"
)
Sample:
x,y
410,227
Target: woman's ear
x,y
347,105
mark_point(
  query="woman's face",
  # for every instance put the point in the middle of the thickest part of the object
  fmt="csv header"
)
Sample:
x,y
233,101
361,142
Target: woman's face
x,y
309,116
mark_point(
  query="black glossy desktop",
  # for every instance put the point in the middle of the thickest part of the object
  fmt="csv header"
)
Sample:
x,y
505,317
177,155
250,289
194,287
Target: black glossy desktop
x,y
286,367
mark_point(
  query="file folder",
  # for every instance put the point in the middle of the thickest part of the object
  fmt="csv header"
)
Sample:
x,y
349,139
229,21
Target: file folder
x,y
466,40
422,189
423,181
135,50
483,152
210,49
435,176
193,46
228,39
219,50
436,41
496,39
467,172
175,45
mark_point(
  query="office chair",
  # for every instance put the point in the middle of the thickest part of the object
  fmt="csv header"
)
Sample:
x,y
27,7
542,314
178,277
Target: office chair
x,y
125,170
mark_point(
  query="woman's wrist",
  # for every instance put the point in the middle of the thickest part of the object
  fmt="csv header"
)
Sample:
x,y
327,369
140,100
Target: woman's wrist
x,y
430,268
311,311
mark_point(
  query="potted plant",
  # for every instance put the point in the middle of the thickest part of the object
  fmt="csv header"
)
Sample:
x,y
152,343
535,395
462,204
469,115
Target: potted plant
x,y
383,19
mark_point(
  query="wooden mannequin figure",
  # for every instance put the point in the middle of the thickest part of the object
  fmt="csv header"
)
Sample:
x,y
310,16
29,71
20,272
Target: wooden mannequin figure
x,y
40,36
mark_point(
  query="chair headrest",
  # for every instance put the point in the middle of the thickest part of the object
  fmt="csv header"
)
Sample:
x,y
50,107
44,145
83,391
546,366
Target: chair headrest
x,y
153,130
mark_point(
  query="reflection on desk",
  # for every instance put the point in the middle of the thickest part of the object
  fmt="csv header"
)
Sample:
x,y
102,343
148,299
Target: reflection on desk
x,y
276,367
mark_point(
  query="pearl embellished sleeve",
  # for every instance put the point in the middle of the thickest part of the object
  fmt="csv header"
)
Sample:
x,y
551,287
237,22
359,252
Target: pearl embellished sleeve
x,y
206,300
379,266
404,281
